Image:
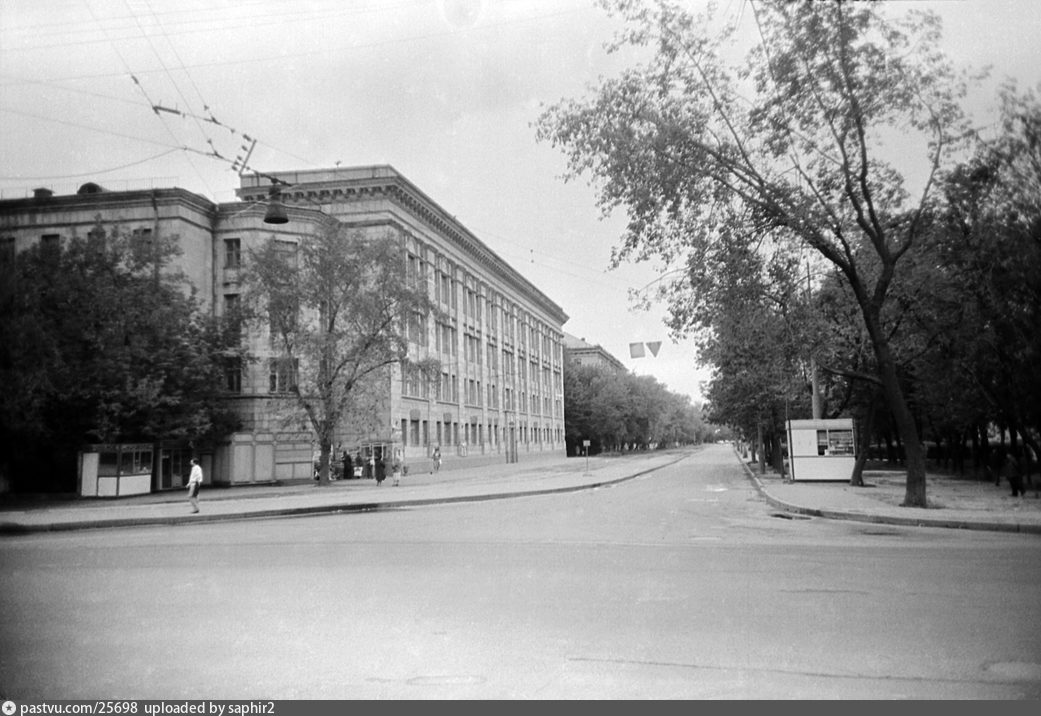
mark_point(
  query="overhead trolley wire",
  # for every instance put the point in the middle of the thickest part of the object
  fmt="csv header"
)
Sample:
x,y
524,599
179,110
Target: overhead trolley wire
x,y
144,92
95,172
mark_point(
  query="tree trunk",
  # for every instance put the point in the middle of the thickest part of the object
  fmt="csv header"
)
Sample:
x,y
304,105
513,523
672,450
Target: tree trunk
x,y
761,449
325,450
777,455
978,466
866,426
914,493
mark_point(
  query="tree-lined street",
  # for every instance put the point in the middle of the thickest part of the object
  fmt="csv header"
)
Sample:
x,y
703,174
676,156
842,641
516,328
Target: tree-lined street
x,y
679,584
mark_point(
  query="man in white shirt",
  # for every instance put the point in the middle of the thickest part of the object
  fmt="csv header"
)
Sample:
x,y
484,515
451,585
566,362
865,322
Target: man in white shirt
x,y
194,483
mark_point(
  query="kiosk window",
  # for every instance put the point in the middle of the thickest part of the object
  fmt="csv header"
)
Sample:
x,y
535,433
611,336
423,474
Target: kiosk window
x,y
834,442
108,464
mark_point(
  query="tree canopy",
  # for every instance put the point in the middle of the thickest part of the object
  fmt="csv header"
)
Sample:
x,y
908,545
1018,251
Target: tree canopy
x,y
615,411
791,146
100,343
341,310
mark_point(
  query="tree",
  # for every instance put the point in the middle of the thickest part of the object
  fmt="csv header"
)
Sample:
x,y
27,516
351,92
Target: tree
x,y
613,409
791,146
341,311
100,341
989,246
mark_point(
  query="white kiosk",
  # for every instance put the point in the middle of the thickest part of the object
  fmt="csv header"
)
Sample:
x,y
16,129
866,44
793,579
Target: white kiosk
x,y
821,450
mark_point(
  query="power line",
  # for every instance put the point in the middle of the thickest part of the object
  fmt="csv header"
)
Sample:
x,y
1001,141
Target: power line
x,y
95,172
137,83
176,86
282,56
292,16
92,129
36,28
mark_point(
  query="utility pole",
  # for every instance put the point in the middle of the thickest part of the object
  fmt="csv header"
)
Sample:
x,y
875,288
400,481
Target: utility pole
x,y
814,381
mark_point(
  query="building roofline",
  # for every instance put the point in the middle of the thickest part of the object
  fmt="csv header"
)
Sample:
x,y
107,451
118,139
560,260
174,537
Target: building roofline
x,y
327,184
103,198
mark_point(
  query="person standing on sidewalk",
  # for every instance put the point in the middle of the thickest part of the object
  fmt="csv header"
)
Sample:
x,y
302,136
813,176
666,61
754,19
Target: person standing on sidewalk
x,y
381,469
194,484
435,460
1014,475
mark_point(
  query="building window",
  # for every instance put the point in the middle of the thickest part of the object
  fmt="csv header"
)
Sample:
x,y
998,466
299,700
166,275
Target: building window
x,y
233,313
417,328
412,380
50,244
446,339
283,313
282,375
416,274
445,290
232,253
287,251
233,375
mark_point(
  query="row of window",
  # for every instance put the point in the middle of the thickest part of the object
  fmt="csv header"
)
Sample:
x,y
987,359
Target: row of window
x,y
517,325
446,388
445,293
282,378
52,242
418,433
282,374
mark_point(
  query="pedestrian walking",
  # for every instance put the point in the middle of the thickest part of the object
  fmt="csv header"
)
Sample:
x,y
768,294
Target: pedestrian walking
x,y
348,468
396,467
1014,475
194,484
435,460
381,470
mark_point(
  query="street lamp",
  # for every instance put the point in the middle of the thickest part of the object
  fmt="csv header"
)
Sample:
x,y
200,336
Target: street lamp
x,y
276,212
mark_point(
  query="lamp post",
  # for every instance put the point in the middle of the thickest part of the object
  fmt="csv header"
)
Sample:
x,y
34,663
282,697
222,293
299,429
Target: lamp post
x,y
276,212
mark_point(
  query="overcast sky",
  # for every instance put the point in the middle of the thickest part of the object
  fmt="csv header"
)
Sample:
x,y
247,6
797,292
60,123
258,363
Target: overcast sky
x,y
444,91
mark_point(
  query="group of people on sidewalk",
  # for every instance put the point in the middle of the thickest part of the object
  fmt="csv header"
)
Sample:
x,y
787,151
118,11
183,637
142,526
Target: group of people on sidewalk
x,y
376,468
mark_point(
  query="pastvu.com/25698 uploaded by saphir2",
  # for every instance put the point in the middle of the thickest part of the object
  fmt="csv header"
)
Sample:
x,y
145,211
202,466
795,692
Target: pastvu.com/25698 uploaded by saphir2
x,y
139,708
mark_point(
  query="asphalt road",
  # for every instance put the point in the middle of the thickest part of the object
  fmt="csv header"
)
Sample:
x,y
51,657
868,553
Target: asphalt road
x,y
682,584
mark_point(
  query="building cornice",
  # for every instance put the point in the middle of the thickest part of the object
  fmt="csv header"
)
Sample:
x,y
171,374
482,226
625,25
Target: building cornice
x,y
356,184
105,199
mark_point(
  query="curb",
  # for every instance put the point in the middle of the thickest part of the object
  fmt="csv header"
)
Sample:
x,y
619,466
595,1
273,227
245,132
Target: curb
x,y
12,528
856,516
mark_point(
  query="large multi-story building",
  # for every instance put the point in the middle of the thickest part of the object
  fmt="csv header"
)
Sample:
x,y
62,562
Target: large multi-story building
x,y
584,353
500,345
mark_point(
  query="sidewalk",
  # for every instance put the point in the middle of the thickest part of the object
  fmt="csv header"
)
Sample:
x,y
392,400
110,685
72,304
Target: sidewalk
x,y
533,475
954,502
960,503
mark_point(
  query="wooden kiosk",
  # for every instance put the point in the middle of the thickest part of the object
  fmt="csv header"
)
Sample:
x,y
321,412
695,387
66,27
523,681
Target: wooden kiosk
x,y
821,450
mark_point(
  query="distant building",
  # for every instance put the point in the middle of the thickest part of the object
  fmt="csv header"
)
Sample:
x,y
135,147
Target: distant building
x,y
501,348
583,353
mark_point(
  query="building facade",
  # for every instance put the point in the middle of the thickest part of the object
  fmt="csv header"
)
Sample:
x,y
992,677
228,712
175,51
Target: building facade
x,y
583,353
500,345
